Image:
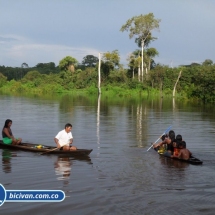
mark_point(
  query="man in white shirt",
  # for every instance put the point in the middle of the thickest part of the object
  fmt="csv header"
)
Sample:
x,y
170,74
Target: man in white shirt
x,y
64,139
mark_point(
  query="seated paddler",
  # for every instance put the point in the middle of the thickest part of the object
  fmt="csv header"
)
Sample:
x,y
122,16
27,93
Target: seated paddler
x,y
184,153
7,135
64,139
168,141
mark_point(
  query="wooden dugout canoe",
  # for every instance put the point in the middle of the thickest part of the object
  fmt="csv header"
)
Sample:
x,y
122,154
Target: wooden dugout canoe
x,y
192,160
43,149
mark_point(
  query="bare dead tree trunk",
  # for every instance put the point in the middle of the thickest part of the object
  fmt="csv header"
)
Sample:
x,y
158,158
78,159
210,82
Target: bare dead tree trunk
x,y
179,75
142,44
161,88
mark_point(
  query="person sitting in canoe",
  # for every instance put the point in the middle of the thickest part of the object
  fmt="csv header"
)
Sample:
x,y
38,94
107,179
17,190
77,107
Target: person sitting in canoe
x,y
64,139
178,139
7,135
184,153
168,140
176,142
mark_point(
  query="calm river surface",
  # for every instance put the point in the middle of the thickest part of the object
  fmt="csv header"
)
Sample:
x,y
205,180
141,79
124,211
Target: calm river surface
x,y
119,176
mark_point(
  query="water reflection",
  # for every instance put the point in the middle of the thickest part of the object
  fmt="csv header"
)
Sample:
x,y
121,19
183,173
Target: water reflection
x,y
6,160
150,183
139,115
63,167
142,113
98,120
172,172
173,162
173,103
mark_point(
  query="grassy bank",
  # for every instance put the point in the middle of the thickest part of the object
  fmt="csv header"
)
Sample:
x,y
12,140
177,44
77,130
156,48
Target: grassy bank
x,y
14,87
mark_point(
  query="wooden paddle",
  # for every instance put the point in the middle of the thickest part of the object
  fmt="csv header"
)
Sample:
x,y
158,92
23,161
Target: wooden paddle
x,y
49,151
52,149
160,137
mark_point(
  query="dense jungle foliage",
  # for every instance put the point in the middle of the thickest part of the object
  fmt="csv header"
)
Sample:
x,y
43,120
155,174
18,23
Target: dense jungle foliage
x,y
196,82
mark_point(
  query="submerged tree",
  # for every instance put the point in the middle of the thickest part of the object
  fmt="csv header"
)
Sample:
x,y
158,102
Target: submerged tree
x,y
141,28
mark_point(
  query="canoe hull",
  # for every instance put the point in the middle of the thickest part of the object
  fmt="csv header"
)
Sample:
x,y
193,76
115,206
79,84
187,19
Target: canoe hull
x,y
45,149
192,160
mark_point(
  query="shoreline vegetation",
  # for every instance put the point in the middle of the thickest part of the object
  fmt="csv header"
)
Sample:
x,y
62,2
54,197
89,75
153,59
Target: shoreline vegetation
x,y
13,87
195,83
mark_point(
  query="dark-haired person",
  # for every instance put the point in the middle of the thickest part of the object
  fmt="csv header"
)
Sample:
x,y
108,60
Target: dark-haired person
x,y
184,153
169,143
176,142
7,135
64,139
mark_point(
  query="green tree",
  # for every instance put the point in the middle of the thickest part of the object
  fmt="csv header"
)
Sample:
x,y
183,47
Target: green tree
x,y
68,64
24,65
131,63
141,28
207,62
24,69
134,62
203,80
90,61
110,60
47,68
50,65
157,76
150,54
3,80
32,75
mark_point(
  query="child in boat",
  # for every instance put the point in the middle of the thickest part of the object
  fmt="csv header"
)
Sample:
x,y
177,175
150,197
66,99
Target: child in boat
x,y
7,135
176,142
184,153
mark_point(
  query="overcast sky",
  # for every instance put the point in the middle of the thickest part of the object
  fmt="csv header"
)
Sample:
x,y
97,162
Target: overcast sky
x,y
42,31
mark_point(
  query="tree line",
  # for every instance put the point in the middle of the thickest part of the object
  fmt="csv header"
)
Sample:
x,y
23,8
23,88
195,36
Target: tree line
x,y
196,81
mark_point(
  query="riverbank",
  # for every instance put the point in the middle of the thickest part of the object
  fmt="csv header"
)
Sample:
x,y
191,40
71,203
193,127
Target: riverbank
x,y
14,87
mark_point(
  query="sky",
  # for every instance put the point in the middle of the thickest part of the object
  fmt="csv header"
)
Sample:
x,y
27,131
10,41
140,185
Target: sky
x,y
43,31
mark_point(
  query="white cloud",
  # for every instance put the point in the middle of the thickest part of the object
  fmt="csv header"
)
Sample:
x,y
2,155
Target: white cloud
x,y
18,50
186,30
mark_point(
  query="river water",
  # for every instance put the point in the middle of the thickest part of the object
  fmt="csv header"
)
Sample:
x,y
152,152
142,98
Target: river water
x,y
119,176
